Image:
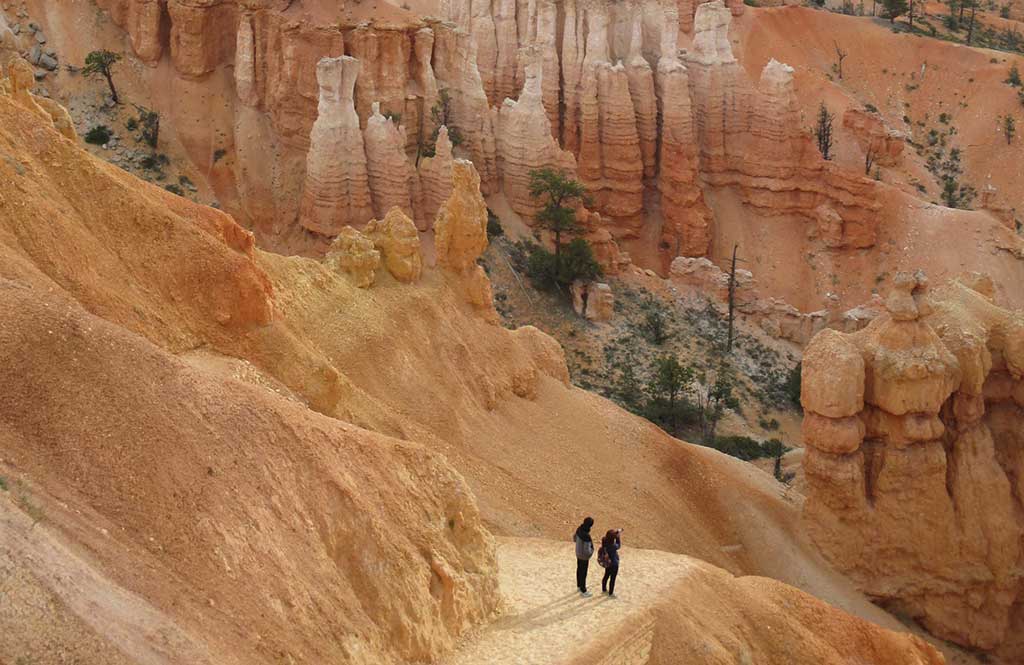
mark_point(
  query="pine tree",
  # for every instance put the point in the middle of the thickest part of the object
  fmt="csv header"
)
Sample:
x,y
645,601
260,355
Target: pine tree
x,y
823,131
101,63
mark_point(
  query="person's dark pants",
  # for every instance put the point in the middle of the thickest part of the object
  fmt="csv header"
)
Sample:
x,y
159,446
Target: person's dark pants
x,y
608,581
581,574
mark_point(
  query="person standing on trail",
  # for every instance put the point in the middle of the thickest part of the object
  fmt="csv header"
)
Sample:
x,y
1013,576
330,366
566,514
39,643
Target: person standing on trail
x,y
608,557
584,550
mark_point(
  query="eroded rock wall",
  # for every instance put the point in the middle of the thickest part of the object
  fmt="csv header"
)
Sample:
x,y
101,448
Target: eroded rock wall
x,y
648,130
914,459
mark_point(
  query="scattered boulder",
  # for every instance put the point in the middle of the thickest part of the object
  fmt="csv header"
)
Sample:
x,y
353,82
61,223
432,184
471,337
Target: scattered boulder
x,y
593,300
354,254
396,239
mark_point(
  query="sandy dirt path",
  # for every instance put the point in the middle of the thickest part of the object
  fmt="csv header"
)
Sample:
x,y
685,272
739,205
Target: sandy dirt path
x,y
545,621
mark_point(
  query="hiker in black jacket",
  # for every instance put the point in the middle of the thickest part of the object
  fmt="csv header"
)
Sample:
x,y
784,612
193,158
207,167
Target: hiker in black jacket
x,y
584,550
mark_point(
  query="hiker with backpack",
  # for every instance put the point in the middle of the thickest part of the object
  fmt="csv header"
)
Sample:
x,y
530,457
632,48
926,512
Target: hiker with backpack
x,y
608,558
584,550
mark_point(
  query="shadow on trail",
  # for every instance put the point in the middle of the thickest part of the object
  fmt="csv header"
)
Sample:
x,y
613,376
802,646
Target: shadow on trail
x,y
555,611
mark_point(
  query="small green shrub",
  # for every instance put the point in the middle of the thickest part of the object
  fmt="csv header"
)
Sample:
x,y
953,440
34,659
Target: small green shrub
x,y
493,225
741,447
219,154
175,189
793,384
98,135
131,124
1013,76
654,327
577,262
154,162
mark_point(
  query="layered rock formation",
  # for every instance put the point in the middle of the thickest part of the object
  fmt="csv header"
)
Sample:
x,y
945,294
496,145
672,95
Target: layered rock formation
x,y
607,79
390,174
337,188
435,181
609,161
687,227
525,142
914,459
884,145
751,139
460,237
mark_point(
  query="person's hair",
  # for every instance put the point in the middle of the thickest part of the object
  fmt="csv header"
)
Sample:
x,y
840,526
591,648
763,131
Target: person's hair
x,y
609,538
588,521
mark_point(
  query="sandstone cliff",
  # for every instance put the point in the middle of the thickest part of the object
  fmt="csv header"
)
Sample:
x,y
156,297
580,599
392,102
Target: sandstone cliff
x,y
913,459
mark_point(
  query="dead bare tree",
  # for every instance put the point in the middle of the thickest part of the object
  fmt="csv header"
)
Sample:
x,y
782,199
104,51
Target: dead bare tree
x,y
970,28
732,296
869,158
840,56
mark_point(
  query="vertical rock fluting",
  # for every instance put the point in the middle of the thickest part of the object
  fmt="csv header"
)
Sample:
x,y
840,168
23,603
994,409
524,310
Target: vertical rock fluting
x,y
525,142
598,91
388,169
337,190
435,181
198,34
506,35
750,138
686,227
455,66
645,102
141,19
573,41
417,114
914,459
481,27
385,56
245,62
609,161
546,40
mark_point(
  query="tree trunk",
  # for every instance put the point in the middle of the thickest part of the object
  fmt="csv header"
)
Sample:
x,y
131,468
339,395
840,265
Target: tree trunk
x,y
110,82
732,292
910,15
970,29
558,254
778,468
